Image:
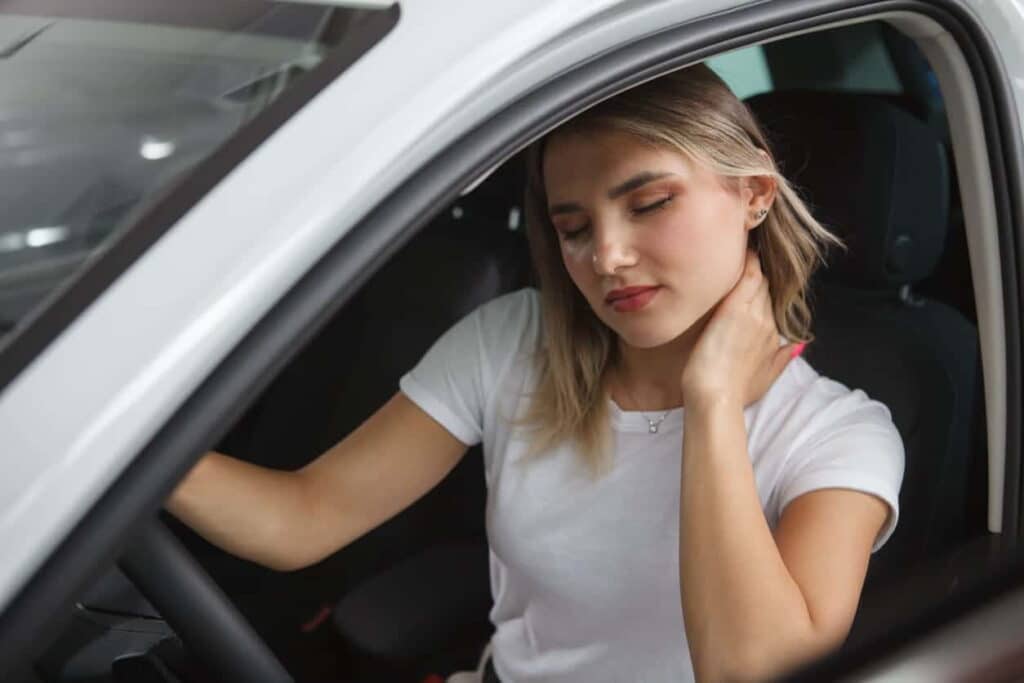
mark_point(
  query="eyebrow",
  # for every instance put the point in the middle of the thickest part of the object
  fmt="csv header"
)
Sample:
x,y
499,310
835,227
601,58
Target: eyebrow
x,y
639,180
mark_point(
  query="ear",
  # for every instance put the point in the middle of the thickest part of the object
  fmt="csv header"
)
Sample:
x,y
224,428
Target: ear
x,y
759,193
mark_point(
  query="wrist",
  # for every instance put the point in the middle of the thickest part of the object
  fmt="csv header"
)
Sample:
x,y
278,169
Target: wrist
x,y
710,401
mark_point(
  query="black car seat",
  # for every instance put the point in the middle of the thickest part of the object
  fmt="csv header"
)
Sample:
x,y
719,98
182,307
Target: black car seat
x,y
879,178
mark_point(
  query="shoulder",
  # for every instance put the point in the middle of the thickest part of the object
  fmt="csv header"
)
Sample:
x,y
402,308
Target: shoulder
x,y
833,436
812,401
807,417
820,423
510,320
522,305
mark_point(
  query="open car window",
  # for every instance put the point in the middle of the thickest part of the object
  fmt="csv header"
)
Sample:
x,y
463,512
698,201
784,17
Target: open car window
x,y
104,106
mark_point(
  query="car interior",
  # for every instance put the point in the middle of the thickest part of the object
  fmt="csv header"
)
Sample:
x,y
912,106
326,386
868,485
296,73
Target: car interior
x,y
857,122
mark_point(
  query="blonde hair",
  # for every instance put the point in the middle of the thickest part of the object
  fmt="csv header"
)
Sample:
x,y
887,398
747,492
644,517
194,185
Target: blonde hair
x,y
694,112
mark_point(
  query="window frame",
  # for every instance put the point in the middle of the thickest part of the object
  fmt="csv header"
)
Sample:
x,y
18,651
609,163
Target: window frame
x,y
223,396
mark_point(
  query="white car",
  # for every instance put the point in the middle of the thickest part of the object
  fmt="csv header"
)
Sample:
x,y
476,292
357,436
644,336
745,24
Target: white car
x,y
233,225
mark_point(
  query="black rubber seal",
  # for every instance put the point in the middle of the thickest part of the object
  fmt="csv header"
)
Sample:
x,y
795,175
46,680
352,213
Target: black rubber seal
x,y
243,375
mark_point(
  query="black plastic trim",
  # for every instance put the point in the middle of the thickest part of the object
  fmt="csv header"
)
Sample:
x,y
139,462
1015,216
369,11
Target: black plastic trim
x,y
222,398
34,333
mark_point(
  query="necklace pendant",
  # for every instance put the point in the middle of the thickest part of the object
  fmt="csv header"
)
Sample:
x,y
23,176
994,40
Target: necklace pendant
x,y
652,428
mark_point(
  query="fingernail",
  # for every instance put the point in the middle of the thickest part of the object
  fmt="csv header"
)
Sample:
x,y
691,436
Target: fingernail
x,y
798,349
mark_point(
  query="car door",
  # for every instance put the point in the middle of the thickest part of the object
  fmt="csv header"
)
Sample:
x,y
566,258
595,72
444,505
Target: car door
x,y
173,399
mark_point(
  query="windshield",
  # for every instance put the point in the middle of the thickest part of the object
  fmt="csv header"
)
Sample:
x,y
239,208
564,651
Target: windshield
x,y
106,103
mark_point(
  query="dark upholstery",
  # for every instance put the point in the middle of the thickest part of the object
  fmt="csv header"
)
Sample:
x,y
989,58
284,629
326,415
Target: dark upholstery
x,y
419,607
878,177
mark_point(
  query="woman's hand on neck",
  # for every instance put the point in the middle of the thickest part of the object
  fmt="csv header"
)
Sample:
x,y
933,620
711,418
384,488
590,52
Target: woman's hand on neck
x,y
738,355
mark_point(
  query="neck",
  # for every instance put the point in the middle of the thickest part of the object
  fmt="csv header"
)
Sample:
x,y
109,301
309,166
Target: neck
x,y
649,379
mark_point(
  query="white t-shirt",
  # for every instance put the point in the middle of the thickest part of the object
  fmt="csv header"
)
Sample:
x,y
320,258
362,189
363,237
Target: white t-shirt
x,y
585,571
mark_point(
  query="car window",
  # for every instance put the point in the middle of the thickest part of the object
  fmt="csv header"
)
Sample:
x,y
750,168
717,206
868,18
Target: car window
x,y
104,105
854,58
745,70
849,58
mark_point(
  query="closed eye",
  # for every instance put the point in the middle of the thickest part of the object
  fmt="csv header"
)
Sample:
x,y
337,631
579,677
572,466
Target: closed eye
x,y
573,234
653,206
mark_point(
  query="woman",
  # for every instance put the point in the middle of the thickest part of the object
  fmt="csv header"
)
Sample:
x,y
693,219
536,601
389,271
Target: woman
x,y
670,494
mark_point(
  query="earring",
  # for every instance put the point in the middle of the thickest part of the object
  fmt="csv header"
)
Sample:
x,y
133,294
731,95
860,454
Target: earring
x,y
761,214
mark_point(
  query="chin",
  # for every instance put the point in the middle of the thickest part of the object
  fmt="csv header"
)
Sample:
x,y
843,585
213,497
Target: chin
x,y
650,336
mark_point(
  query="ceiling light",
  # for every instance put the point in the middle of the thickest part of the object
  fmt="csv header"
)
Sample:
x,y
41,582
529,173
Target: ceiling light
x,y
40,237
153,148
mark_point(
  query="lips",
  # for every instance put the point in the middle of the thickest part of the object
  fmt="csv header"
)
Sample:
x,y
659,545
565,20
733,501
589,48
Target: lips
x,y
630,299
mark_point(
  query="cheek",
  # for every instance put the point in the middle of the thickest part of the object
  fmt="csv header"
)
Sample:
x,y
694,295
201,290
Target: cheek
x,y
576,258
574,253
704,249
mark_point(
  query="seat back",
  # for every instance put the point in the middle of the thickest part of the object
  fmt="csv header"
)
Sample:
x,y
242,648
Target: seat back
x,y
879,179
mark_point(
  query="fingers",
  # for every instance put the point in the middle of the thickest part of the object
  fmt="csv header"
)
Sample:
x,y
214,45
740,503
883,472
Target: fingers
x,y
753,293
760,298
746,288
760,304
752,266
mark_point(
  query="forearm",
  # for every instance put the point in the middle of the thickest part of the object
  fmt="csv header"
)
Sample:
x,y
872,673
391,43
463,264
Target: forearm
x,y
745,615
249,511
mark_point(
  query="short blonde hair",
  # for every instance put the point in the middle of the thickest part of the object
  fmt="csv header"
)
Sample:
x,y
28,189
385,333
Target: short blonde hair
x,y
692,111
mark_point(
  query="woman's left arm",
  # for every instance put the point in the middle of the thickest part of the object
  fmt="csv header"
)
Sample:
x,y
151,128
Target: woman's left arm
x,y
755,604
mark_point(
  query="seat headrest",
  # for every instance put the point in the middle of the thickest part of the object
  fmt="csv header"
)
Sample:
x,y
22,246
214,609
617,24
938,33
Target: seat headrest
x,y
873,174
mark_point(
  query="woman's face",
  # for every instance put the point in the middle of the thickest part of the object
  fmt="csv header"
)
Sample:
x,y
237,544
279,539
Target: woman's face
x,y
652,239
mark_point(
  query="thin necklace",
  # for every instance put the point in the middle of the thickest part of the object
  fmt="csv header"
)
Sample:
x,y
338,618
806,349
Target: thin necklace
x,y
652,425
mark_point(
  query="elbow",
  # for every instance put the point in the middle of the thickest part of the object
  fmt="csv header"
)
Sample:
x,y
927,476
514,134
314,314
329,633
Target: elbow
x,y
293,552
761,659
297,535
293,555
285,564
750,663
283,556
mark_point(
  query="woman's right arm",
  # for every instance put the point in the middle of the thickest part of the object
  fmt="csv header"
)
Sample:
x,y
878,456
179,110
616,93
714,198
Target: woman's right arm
x,y
289,520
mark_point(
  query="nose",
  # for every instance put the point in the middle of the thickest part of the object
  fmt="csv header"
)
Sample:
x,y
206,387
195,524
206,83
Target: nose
x,y
612,251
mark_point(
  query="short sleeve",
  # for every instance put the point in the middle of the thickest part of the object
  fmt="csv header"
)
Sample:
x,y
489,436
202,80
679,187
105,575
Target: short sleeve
x,y
857,447
455,378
